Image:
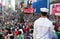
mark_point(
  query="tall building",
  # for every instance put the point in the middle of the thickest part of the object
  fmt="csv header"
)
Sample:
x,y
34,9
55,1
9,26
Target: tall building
x,y
0,0
13,4
9,3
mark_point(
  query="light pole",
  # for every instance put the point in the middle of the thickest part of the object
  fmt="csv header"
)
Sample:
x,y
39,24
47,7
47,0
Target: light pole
x,y
3,12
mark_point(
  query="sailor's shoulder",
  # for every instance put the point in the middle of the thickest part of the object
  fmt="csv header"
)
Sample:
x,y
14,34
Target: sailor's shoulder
x,y
37,20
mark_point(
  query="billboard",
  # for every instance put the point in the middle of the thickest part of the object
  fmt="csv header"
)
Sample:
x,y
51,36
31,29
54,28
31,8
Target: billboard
x,y
29,10
57,9
40,4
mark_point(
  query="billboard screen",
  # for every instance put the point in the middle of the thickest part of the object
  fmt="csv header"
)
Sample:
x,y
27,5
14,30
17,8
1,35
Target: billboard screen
x,y
40,4
57,9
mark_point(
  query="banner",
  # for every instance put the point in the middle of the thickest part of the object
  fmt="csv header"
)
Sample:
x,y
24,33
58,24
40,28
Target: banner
x,y
57,9
40,4
29,10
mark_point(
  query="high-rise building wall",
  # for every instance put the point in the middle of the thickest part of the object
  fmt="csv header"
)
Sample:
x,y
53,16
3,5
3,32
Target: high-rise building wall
x,y
3,3
0,0
9,3
25,3
13,4
19,2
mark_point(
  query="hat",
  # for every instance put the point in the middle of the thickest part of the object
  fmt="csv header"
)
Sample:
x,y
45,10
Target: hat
x,y
21,30
44,10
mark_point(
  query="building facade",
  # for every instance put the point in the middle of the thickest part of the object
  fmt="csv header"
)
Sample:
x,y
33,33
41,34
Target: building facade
x,y
9,3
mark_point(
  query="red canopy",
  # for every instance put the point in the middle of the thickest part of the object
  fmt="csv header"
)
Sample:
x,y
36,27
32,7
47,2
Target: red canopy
x,y
29,10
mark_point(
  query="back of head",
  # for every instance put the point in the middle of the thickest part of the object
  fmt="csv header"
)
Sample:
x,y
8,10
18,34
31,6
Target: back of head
x,y
44,11
1,36
20,32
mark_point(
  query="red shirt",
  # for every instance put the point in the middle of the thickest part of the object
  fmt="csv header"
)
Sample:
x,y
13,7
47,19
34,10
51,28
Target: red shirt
x,y
16,33
24,30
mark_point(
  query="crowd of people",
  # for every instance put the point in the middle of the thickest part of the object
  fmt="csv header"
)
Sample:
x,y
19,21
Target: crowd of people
x,y
19,31
14,28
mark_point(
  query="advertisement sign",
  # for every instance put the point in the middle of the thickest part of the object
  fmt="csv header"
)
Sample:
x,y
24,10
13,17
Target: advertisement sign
x,y
40,4
13,4
29,10
57,9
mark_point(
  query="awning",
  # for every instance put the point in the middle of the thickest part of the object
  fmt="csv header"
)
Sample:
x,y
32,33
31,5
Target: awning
x,y
29,10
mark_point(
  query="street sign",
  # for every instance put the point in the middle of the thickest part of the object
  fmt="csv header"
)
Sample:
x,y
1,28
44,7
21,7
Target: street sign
x,y
40,4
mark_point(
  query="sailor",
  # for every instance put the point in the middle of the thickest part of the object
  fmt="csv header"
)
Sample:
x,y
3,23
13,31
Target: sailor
x,y
43,27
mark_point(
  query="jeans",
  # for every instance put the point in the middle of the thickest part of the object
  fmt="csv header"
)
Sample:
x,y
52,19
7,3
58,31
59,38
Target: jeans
x,y
55,36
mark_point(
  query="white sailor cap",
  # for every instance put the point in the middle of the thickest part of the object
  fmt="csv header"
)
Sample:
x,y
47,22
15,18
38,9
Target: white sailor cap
x,y
21,30
44,10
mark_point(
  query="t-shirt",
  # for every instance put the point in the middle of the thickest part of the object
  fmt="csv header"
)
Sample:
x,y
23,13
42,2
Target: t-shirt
x,y
20,37
58,34
16,32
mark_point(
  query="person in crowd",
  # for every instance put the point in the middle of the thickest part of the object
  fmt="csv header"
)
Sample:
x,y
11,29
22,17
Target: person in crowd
x,y
27,27
0,31
21,31
10,35
58,32
43,27
28,34
31,31
54,35
31,34
16,32
6,33
1,34
20,35
21,26
24,29
54,32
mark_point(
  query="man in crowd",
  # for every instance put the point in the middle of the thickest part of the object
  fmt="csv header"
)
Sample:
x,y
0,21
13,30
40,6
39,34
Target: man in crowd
x,y
43,27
